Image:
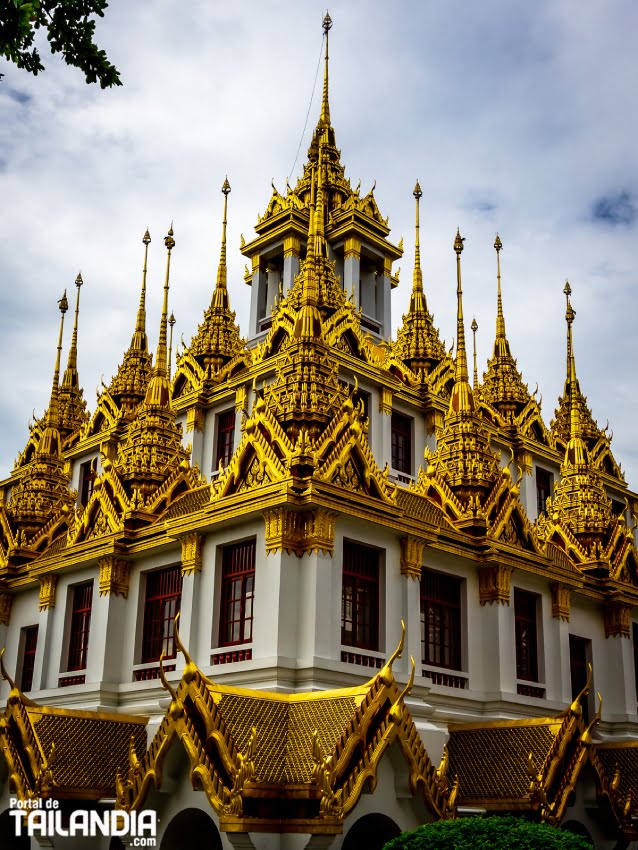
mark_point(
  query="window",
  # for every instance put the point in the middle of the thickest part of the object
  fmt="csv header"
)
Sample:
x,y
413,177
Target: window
x,y
579,659
401,443
544,481
163,595
237,593
360,596
526,631
225,438
29,644
80,625
441,620
88,474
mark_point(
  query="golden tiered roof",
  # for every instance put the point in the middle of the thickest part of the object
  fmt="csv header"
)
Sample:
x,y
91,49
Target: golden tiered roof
x,y
418,342
128,387
503,386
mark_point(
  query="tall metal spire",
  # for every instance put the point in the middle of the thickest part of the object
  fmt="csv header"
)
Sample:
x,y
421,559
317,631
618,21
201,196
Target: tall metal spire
x,y
158,392
72,407
417,275
72,362
52,419
501,345
325,104
139,341
461,355
220,295
474,330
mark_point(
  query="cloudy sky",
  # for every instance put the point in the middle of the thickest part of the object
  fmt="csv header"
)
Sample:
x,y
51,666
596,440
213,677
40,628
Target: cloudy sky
x,y
516,117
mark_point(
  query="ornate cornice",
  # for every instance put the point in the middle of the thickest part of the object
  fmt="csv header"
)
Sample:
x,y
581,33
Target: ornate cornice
x,y
494,584
114,576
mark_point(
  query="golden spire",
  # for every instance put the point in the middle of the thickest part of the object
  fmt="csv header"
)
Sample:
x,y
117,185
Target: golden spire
x,y
461,356
52,418
44,486
325,104
171,322
139,341
474,330
418,343
129,386
220,295
572,396
218,338
580,500
501,344
71,401
158,392
503,385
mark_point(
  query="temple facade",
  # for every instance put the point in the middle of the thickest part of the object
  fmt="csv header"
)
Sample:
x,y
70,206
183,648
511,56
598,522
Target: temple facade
x,y
314,587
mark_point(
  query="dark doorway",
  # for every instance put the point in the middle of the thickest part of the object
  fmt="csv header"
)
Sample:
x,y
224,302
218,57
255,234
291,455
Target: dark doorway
x,y
371,832
191,828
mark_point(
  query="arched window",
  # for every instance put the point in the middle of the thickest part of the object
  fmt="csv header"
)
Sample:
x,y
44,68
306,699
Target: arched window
x,y
371,832
192,828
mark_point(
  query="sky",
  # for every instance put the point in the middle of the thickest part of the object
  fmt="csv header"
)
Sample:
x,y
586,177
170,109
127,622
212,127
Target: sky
x,y
516,117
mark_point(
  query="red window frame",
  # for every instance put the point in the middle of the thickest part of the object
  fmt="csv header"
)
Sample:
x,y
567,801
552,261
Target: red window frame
x,y
80,626
88,474
526,634
225,438
161,604
29,648
237,593
401,446
360,596
441,641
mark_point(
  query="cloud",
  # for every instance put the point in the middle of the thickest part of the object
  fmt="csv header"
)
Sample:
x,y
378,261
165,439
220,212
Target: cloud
x,y
615,209
18,96
512,116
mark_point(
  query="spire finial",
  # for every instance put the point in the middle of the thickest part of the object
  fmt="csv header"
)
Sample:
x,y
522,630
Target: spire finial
x,y
221,271
160,364
417,280
139,339
52,416
570,313
73,351
500,319
325,105
461,356
474,330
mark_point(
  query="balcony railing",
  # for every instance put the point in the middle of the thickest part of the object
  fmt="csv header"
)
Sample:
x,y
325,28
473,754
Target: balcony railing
x,y
362,659
446,678
230,656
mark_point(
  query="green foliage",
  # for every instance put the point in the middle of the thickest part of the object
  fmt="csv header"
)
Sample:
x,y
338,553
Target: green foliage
x,y
69,29
488,833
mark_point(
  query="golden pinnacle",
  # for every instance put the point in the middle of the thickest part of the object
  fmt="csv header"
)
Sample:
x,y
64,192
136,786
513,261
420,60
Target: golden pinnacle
x,y
146,239
168,239
78,280
327,23
458,242
567,289
474,325
63,304
172,320
226,186
497,243
417,191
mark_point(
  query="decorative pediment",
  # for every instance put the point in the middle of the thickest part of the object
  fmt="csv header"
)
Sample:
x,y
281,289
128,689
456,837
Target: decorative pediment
x,y
99,518
529,424
189,375
510,523
107,415
601,458
349,463
254,463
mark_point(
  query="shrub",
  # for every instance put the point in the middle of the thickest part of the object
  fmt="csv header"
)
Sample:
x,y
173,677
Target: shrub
x,y
488,833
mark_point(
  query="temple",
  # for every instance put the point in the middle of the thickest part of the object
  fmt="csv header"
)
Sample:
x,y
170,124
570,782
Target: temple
x,y
312,587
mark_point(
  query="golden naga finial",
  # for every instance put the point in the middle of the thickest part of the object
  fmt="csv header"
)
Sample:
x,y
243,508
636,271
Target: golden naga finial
x,y
474,327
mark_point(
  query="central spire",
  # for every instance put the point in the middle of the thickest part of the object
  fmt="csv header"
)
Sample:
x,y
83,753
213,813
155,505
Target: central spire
x,y
325,103
73,413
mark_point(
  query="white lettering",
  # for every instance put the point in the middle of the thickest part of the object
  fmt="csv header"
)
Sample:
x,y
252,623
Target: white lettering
x,y
120,823
37,820
147,822
17,814
79,823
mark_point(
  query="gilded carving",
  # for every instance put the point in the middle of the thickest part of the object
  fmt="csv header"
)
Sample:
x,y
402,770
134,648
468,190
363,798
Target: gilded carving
x,y
412,556
300,532
352,248
494,584
191,553
292,246
6,601
560,602
48,586
385,401
617,618
195,419
114,576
